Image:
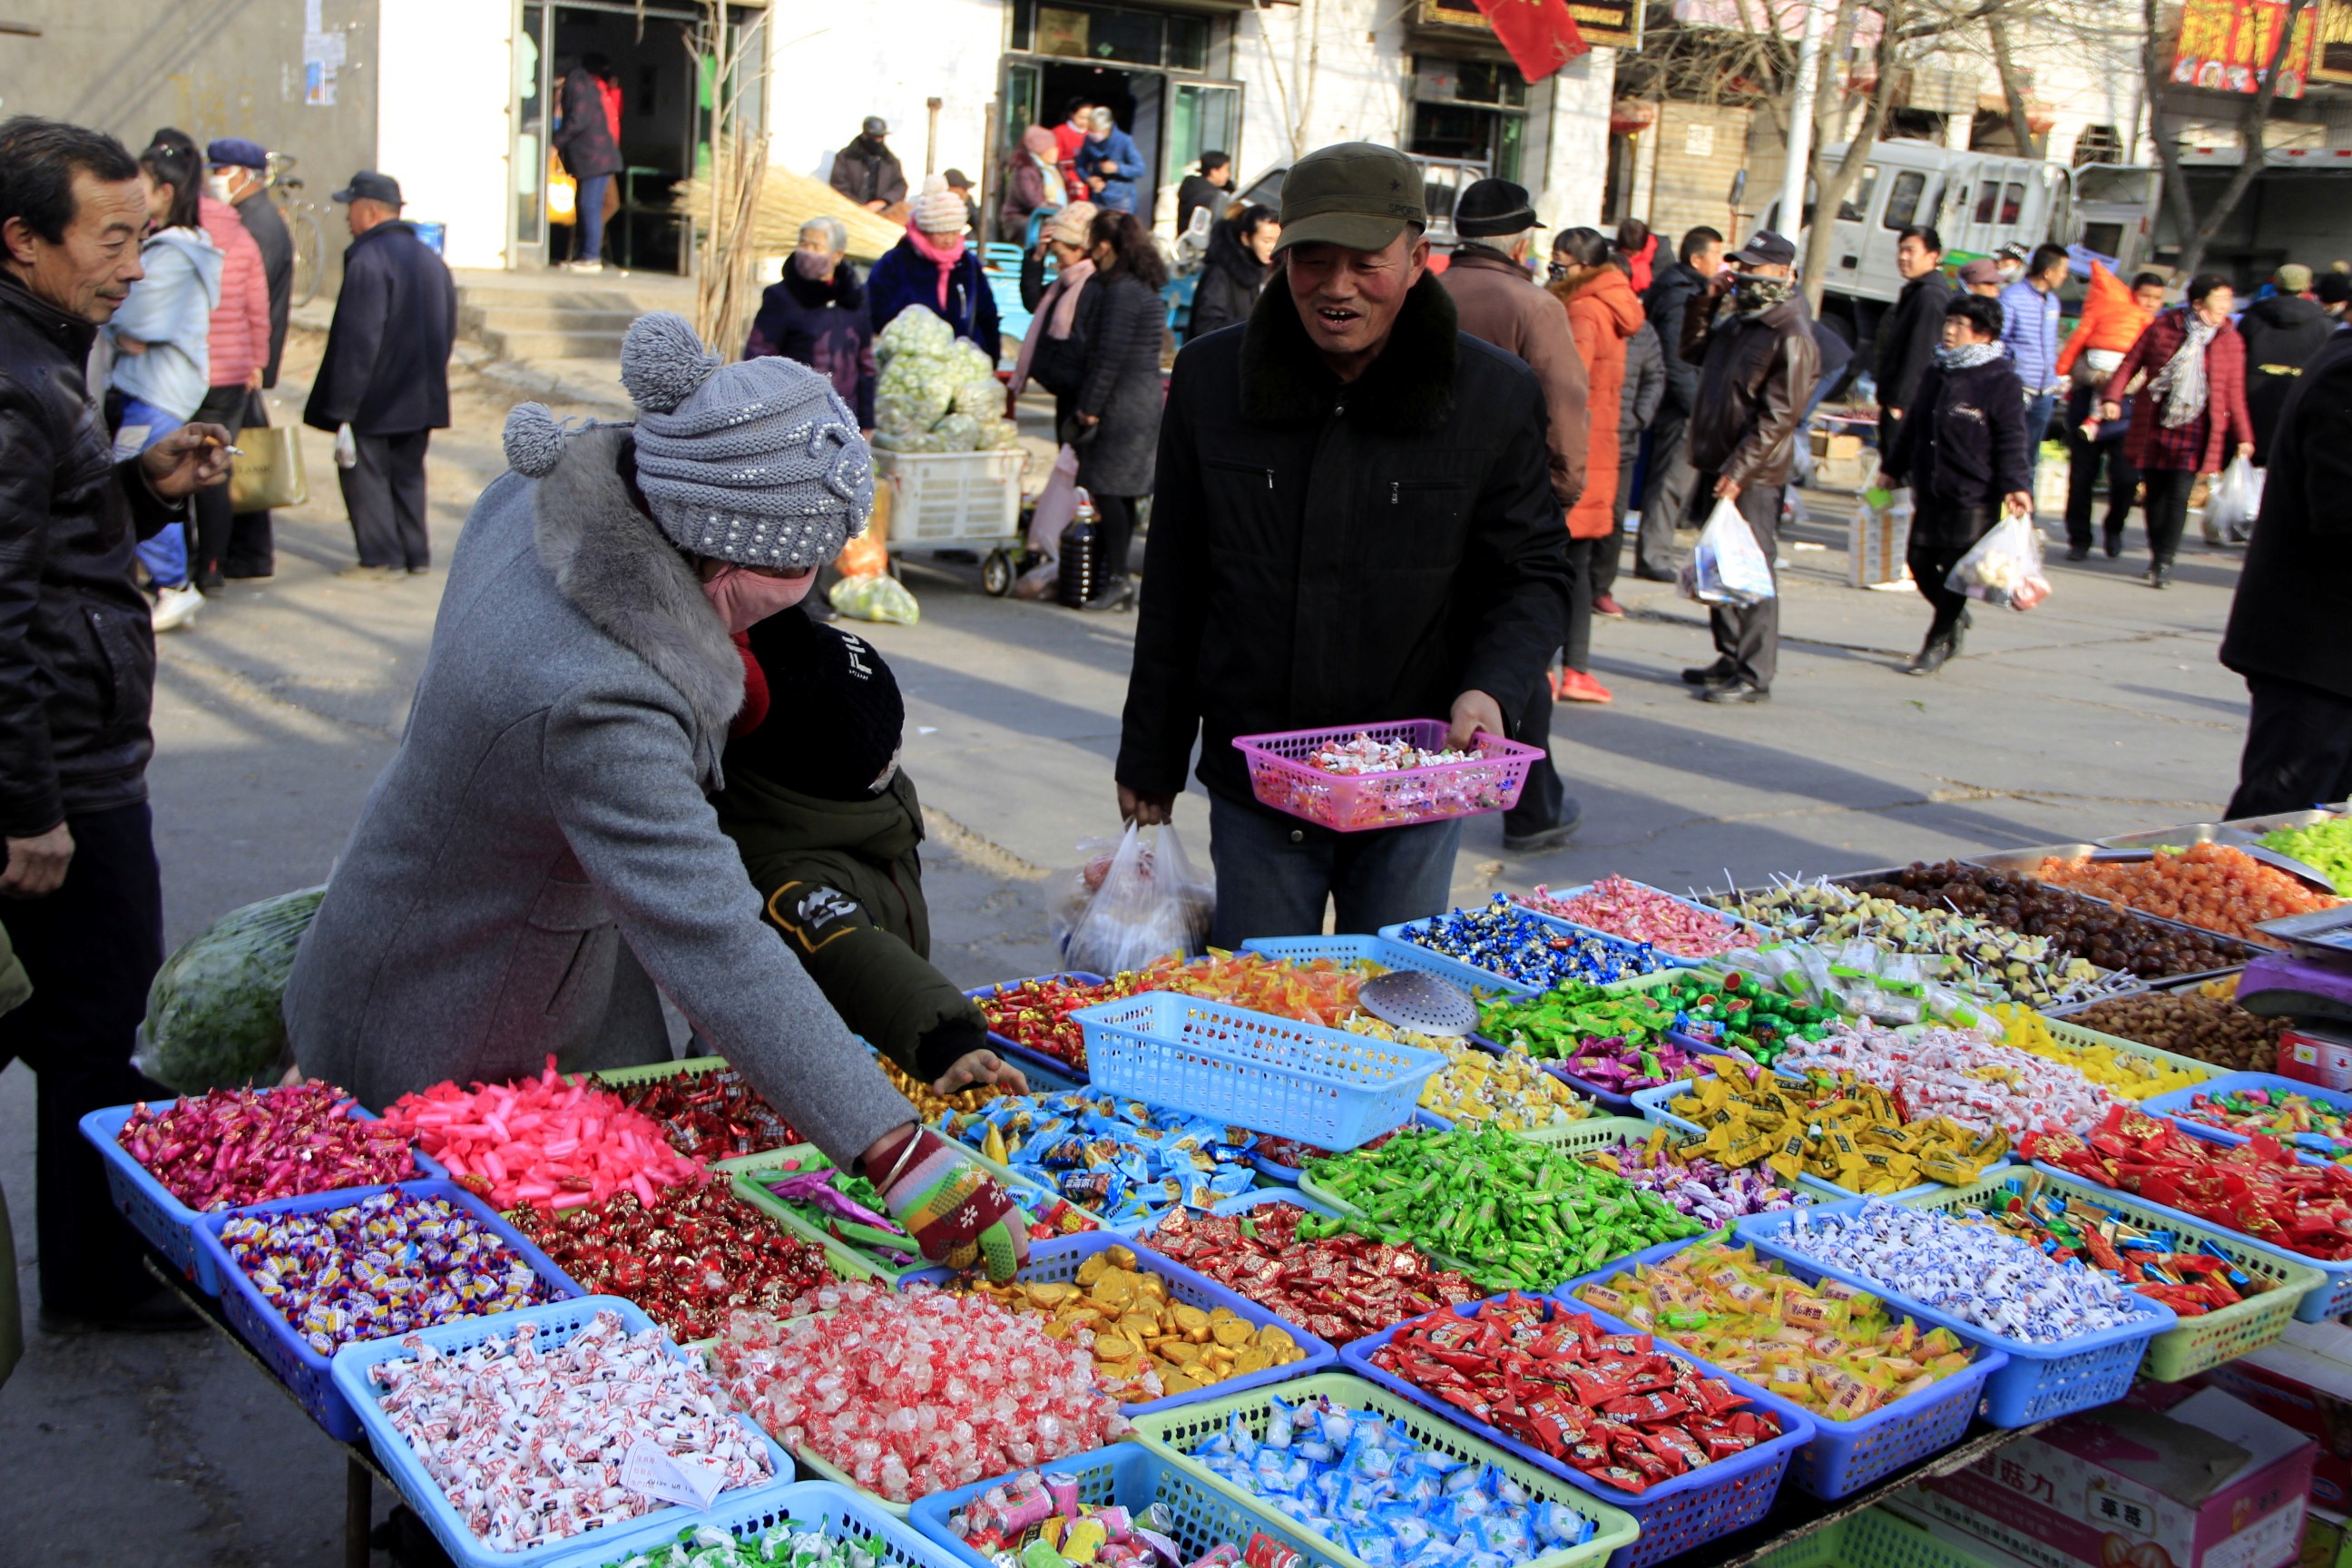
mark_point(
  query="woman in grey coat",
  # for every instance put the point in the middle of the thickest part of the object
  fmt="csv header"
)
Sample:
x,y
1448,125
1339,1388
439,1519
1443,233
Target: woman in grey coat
x,y
1117,422
542,854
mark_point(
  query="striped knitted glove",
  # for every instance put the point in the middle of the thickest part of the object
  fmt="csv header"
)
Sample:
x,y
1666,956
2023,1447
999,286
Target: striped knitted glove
x,y
955,1211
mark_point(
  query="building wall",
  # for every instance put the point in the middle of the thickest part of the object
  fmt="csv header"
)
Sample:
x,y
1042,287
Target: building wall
x,y
1695,150
832,65
212,67
443,128
1574,173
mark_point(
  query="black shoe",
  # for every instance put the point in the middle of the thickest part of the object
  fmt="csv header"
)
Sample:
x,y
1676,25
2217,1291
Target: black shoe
x,y
209,582
1545,839
248,573
1119,596
1715,674
1646,575
161,1312
1931,657
2078,552
2115,545
2159,576
1737,692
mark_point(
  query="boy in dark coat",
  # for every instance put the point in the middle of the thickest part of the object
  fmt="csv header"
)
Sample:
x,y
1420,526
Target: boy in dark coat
x,y
1962,448
830,829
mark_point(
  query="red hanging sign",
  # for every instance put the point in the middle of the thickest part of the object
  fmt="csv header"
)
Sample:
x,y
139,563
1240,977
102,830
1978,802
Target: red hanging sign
x,y
1540,34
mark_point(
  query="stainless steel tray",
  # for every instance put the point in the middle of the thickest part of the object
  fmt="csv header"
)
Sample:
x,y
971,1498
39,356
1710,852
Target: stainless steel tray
x,y
2258,825
2020,863
2181,837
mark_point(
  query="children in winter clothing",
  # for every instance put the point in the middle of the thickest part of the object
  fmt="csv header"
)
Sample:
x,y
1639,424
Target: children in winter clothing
x,y
829,828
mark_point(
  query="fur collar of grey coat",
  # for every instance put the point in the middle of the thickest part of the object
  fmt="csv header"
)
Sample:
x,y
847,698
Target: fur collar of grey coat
x,y
541,853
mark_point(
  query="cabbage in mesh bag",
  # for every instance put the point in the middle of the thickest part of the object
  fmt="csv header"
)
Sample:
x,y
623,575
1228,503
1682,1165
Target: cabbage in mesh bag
x,y
914,331
957,433
1000,436
982,397
971,363
214,1017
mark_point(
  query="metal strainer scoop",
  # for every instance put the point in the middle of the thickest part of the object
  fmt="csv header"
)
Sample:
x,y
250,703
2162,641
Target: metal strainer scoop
x,y
1421,1002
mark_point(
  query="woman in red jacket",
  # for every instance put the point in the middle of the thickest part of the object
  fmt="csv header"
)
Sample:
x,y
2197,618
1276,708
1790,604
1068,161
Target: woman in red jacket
x,y
239,344
2191,408
1603,312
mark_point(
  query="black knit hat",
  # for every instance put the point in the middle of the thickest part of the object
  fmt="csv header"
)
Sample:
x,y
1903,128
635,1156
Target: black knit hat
x,y
835,714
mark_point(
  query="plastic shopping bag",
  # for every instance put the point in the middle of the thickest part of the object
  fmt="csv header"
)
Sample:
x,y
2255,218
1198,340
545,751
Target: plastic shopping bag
x,y
1728,567
2004,567
1132,902
1057,503
214,1011
2236,501
880,598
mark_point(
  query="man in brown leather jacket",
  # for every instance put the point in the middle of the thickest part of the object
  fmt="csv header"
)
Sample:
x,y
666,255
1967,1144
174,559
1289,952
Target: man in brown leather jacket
x,y
1757,364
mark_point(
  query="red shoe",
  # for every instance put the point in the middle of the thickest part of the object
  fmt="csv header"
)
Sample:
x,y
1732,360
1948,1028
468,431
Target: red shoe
x,y
1575,686
1606,607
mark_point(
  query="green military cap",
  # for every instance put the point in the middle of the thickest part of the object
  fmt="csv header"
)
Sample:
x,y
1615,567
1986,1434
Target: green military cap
x,y
1355,194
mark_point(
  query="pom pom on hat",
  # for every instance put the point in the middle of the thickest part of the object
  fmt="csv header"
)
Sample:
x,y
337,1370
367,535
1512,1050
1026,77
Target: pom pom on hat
x,y
939,210
534,440
663,362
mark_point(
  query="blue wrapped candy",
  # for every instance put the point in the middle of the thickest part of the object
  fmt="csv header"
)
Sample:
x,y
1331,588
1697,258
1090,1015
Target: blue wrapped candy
x,y
1503,938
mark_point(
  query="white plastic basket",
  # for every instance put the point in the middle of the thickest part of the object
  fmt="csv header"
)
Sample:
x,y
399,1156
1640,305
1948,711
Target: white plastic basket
x,y
952,497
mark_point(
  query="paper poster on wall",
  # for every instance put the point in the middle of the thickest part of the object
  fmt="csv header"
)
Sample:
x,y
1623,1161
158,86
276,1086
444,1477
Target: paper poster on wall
x,y
1698,140
322,55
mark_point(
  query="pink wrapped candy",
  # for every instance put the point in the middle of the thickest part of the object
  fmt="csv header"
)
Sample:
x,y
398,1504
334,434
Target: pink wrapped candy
x,y
1620,1067
1961,1074
239,1146
544,1141
917,1393
1642,913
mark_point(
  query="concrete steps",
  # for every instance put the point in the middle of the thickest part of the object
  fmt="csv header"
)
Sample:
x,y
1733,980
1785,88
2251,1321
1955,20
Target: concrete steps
x,y
535,317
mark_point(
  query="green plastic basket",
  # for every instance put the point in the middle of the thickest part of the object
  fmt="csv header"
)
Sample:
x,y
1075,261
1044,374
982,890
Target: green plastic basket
x,y
2078,1037
805,1156
2197,1343
1174,1434
1603,1131
1874,1538
659,1070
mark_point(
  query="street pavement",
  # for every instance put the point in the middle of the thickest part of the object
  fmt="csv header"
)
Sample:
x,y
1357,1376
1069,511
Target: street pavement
x,y
2103,710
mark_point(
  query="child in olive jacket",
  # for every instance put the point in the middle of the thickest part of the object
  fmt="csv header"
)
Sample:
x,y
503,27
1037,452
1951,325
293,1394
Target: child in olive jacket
x,y
829,828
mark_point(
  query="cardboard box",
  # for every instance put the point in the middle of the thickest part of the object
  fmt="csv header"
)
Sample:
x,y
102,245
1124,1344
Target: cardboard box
x,y
2208,1482
1876,544
2326,1543
2304,1379
2315,1053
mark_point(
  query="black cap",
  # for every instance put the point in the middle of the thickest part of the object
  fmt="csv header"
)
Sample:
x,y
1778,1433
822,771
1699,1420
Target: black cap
x,y
1357,195
1765,249
367,185
1491,207
842,728
876,126
957,180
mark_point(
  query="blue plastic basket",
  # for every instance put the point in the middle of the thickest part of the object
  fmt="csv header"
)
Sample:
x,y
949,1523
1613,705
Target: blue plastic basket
x,y
2331,1298
1022,1054
1130,1475
556,1323
2040,1381
1675,1515
1750,926
1058,1263
1388,954
1295,1080
2312,1148
168,1223
1266,1196
308,1374
1846,1456
1400,933
1652,1105
838,1510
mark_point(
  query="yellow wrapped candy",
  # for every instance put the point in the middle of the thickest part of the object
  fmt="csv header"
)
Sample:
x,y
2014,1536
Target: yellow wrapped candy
x,y
1833,1127
1510,1091
2124,1074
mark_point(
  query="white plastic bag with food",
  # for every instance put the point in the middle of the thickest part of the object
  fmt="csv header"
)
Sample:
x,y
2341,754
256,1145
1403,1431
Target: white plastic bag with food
x,y
1131,901
2235,500
2004,567
1728,567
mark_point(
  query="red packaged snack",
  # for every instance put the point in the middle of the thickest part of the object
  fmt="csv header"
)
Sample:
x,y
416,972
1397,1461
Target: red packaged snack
x,y
1338,1288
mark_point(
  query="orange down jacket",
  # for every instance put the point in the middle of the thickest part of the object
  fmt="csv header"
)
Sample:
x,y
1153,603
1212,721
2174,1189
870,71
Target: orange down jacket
x,y
1601,315
2112,319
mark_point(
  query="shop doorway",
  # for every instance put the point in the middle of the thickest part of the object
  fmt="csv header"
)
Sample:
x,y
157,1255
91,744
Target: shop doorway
x,y
665,113
1137,99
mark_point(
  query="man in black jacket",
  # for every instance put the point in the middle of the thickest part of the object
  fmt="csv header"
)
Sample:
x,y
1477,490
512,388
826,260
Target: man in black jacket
x,y
1665,494
1758,363
1353,523
867,171
2282,332
242,167
2290,630
1910,333
79,891
383,384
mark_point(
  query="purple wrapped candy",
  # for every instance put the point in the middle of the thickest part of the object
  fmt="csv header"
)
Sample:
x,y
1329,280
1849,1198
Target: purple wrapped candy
x,y
1621,1068
1705,1189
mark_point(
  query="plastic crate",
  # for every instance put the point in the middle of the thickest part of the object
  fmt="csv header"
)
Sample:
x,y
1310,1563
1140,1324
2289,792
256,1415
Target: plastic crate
x,y
1176,1434
2312,1148
1266,1196
1875,1538
2072,1033
169,1225
2040,1381
1132,1477
2331,1298
1322,1086
838,1510
1651,1102
1600,1131
1675,1515
309,1375
1060,1264
555,1323
1846,1456
1350,803
2197,1343
952,497
1750,927
1388,954
1022,1055
846,1262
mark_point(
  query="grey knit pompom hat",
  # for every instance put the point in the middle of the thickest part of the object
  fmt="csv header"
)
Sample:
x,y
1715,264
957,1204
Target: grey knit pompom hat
x,y
758,463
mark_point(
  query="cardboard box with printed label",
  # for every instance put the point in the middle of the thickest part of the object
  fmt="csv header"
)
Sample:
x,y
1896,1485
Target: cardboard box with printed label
x,y
2304,1379
2208,1482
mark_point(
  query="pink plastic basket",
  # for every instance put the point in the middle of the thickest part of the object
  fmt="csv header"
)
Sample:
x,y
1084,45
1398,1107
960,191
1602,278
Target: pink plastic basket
x,y
1281,778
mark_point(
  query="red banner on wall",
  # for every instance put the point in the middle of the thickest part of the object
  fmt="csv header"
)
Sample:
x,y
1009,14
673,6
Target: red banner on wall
x,y
2226,45
1540,34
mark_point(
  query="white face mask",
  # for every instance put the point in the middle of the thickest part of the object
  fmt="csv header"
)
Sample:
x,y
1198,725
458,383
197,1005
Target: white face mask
x,y
218,187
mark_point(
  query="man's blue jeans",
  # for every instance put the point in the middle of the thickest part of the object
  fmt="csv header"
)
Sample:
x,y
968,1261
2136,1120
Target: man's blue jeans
x,y
2039,408
1275,874
166,554
590,207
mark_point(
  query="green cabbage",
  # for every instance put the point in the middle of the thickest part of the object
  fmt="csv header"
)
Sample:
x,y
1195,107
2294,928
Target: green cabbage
x,y
212,1013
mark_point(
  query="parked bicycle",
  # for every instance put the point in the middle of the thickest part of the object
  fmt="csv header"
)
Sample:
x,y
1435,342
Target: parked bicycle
x,y
310,247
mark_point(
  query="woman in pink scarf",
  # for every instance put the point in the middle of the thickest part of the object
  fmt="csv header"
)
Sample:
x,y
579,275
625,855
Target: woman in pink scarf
x,y
1054,307
933,267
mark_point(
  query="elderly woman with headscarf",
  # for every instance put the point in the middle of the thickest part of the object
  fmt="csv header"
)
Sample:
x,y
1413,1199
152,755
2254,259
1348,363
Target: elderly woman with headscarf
x,y
816,314
933,267
540,863
1033,179
2192,406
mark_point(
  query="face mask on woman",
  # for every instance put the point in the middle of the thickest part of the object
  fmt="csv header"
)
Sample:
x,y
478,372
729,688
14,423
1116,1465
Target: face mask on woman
x,y
743,599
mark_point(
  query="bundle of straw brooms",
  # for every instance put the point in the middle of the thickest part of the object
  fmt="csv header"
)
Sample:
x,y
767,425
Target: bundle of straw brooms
x,y
787,200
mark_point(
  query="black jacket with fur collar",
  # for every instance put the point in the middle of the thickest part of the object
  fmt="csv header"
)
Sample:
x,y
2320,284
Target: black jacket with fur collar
x,y
1326,553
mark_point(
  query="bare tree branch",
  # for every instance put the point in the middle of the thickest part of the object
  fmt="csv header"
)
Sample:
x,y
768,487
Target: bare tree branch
x,y
2252,157
1997,34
